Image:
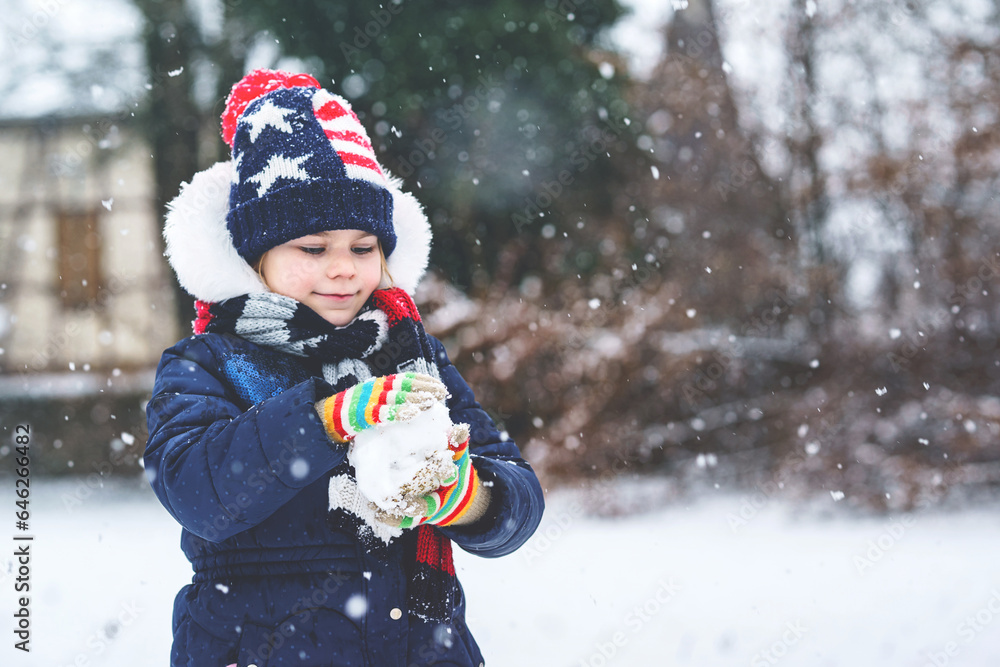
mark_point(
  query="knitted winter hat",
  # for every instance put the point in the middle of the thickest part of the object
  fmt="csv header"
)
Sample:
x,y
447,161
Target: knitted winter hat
x,y
302,163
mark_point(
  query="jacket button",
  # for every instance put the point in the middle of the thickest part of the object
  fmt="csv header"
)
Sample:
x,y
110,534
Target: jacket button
x,y
396,613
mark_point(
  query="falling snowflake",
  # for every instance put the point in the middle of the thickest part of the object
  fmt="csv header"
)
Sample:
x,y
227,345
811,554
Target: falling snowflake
x,y
357,606
299,468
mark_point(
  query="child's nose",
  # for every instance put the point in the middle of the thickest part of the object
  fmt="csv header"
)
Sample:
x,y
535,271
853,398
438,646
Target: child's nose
x,y
341,266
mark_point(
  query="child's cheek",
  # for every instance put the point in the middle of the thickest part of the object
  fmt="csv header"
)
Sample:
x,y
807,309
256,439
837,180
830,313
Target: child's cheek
x,y
300,276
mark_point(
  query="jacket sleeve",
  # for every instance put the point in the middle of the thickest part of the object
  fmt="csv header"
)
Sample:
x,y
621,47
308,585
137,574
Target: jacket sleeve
x,y
516,501
220,469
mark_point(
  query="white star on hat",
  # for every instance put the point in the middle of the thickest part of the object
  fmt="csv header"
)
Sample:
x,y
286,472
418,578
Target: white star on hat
x,y
279,166
267,114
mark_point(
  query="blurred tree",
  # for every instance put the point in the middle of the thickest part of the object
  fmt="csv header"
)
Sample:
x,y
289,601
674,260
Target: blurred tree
x,y
711,205
170,118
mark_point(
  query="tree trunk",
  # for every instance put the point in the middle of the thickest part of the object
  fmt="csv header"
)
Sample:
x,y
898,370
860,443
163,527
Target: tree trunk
x,y
171,119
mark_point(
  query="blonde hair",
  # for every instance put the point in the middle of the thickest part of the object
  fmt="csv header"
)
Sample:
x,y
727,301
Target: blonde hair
x,y
386,276
386,281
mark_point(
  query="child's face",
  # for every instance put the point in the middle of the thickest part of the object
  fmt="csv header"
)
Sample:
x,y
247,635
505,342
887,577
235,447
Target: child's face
x,y
332,272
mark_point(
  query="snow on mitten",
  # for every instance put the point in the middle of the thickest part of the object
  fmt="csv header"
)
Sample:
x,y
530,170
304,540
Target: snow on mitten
x,y
398,462
389,398
461,498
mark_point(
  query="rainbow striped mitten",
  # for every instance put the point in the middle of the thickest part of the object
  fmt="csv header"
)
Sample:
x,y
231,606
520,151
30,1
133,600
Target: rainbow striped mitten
x,y
390,398
460,499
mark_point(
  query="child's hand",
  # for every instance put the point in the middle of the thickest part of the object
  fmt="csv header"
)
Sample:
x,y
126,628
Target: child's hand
x,y
389,398
450,501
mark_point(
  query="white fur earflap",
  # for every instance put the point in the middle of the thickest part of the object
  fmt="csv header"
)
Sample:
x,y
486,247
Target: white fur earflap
x,y
199,246
408,261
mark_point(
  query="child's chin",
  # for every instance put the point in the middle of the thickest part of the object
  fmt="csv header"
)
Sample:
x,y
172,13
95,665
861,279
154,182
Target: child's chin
x,y
338,318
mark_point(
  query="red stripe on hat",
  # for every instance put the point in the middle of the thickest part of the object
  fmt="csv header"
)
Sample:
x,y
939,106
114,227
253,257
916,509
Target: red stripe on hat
x,y
348,135
360,161
332,110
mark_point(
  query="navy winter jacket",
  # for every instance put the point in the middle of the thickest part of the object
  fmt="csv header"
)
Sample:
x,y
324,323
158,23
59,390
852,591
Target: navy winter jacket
x,y
243,463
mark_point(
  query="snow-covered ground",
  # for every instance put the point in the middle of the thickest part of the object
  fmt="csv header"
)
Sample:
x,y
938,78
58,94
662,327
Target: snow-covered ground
x,y
723,581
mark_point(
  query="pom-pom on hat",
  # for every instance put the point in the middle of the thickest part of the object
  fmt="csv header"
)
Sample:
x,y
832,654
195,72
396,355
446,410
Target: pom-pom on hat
x,y
304,164
301,163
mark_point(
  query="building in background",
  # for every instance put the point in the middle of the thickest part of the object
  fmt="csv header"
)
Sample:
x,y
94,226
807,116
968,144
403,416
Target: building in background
x,y
86,303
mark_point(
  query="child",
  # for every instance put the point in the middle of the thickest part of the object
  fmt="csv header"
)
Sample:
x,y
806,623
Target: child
x,y
308,352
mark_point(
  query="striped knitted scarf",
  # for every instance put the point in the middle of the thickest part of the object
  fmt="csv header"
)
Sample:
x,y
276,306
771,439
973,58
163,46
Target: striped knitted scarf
x,y
385,337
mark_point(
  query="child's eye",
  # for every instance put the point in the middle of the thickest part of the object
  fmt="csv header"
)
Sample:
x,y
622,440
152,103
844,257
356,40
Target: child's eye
x,y
312,250
364,250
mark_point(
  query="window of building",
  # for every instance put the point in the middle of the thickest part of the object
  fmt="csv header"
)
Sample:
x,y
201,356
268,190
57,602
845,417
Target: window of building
x,y
79,258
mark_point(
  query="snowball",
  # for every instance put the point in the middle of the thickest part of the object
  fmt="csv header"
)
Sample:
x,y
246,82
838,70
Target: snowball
x,y
397,460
